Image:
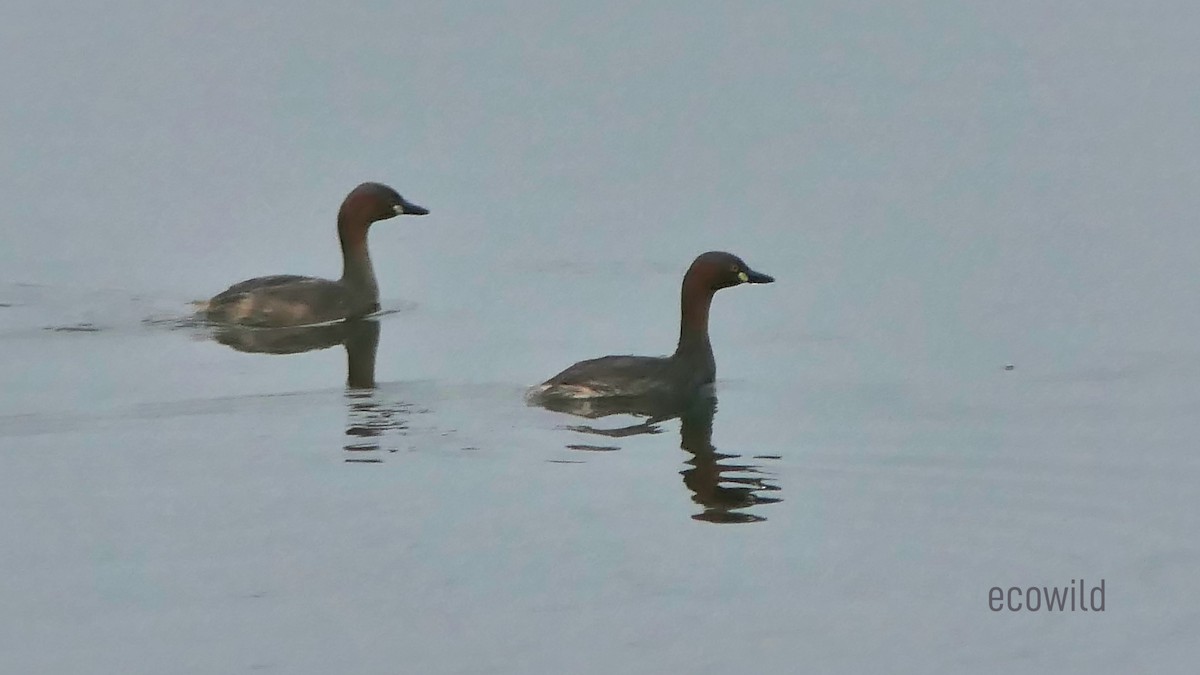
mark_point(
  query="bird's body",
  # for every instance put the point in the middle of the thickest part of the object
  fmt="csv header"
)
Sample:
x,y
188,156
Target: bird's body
x,y
636,383
292,300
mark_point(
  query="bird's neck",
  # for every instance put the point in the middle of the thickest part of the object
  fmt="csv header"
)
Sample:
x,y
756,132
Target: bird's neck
x,y
694,347
358,275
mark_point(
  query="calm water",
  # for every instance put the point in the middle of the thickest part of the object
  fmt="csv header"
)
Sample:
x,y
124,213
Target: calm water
x,y
940,194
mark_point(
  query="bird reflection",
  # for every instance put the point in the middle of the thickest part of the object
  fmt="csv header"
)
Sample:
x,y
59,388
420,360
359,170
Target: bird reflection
x,y
723,489
371,417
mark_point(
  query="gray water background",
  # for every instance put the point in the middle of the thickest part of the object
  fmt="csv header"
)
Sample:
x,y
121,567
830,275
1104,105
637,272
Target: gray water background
x,y
941,189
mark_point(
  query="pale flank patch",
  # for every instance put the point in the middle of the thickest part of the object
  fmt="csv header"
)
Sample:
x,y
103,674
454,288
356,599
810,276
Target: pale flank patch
x,y
243,309
573,391
299,313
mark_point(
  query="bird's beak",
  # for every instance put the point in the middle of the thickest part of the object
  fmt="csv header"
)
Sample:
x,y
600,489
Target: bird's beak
x,y
753,277
407,208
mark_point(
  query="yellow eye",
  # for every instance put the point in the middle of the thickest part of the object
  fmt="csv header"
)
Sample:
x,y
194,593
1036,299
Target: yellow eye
x,y
743,276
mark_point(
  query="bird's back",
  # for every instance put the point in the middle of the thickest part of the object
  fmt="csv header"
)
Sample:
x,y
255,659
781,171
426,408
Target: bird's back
x,y
283,300
613,376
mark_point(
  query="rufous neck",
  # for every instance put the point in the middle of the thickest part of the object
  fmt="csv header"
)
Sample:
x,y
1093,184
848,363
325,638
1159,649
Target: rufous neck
x,y
695,300
357,272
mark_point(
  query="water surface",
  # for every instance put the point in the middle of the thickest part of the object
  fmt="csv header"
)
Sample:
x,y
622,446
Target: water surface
x,y
940,193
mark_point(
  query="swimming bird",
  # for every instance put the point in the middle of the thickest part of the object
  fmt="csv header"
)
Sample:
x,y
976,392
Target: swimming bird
x,y
291,300
610,384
